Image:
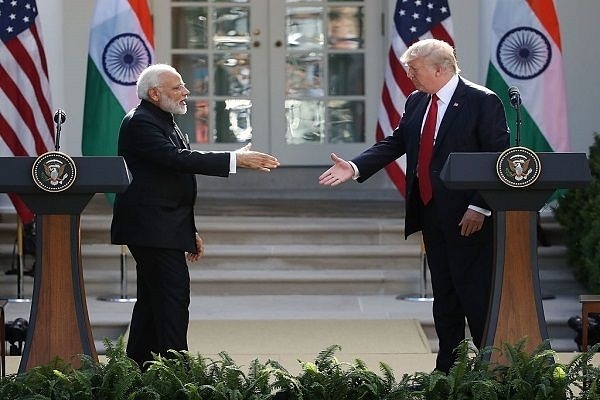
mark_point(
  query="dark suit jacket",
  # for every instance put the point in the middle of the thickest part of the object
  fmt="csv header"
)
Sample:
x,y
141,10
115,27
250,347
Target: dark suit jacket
x,y
156,210
474,122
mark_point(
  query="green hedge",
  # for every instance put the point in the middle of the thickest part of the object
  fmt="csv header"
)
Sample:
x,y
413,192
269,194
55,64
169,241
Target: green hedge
x,y
578,212
523,376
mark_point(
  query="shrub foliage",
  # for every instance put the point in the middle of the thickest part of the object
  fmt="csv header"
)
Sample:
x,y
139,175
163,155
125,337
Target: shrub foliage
x,y
184,376
579,215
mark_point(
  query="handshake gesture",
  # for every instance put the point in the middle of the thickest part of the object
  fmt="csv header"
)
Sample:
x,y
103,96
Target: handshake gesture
x,y
247,158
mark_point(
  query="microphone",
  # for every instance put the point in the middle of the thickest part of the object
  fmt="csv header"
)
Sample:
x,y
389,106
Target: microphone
x,y
59,118
514,96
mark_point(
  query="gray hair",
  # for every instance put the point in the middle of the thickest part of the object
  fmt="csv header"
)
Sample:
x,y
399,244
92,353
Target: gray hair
x,y
437,52
150,78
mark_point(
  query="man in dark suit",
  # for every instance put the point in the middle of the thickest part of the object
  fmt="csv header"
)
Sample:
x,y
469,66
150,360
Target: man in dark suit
x,y
154,217
456,224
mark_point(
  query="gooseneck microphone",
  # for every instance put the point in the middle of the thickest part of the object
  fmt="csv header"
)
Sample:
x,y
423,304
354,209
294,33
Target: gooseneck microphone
x,y
515,101
59,118
514,96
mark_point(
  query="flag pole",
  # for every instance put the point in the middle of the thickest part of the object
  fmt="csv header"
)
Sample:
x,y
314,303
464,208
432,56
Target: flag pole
x,y
20,273
123,297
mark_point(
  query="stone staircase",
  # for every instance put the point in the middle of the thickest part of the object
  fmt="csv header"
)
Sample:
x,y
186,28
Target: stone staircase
x,y
284,247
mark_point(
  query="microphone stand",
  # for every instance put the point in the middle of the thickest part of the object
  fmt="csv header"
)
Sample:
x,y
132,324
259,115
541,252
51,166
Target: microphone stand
x,y
518,123
58,126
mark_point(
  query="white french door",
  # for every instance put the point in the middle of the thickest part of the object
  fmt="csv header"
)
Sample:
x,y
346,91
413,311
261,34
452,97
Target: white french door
x,y
299,79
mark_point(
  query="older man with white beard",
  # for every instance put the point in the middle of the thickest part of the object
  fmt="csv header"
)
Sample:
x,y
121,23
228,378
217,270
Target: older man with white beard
x,y
154,217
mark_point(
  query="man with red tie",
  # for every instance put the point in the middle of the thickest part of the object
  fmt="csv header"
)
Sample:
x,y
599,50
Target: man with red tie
x,y
446,114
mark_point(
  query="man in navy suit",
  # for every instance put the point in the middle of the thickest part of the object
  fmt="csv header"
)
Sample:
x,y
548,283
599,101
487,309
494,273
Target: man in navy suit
x,y
456,224
154,217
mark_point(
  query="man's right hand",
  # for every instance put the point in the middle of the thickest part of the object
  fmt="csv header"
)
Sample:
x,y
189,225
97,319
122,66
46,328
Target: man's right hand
x,y
340,172
246,158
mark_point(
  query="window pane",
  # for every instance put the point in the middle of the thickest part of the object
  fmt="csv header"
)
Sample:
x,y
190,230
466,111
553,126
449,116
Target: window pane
x,y
305,121
231,27
194,71
189,27
233,121
195,123
345,28
303,75
346,74
304,27
201,121
232,74
346,121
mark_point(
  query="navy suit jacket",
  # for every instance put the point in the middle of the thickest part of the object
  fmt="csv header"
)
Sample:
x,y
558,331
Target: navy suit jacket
x,y
157,209
473,122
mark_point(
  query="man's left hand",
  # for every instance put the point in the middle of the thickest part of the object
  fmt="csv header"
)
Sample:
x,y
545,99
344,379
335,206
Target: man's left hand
x,y
471,222
193,257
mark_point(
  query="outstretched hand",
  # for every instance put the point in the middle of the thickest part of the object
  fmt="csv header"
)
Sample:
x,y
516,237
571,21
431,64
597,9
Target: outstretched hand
x,y
246,158
340,172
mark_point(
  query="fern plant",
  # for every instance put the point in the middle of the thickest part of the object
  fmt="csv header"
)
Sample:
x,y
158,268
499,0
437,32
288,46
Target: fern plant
x,y
521,375
577,212
534,376
471,377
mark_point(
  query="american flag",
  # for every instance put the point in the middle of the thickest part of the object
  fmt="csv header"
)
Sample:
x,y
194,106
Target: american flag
x,y
26,127
413,20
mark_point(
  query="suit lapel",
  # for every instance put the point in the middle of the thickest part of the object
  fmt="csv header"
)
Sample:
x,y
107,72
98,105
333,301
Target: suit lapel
x,y
452,111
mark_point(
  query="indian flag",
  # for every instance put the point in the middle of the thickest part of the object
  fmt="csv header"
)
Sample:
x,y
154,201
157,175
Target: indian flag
x,y
526,53
121,46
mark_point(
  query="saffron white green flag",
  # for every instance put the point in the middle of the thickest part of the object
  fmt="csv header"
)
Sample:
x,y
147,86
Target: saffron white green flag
x,y
526,53
121,46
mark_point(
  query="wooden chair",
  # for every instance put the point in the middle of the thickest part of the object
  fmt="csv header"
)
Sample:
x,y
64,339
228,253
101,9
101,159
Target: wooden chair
x,y
590,303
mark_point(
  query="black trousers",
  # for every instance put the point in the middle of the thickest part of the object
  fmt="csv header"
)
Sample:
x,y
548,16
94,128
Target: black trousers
x,y
461,278
161,313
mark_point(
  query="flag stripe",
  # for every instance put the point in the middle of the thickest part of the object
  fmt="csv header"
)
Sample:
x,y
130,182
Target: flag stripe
x,y
26,126
10,138
548,18
24,108
93,142
118,26
544,111
23,82
140,8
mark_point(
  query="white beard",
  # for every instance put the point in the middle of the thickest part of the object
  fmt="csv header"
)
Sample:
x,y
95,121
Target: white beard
x,y
172,106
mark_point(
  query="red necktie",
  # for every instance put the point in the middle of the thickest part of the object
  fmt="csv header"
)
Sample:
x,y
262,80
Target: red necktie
x,y
426,150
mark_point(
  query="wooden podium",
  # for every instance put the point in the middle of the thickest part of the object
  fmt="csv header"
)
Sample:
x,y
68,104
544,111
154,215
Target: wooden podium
x,y
516,309
59,324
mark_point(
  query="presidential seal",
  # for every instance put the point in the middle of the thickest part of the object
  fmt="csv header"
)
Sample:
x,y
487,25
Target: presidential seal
x,y
54,171
518,167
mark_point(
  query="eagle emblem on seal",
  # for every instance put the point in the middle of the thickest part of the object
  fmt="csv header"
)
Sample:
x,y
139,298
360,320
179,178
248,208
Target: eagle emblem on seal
x,y
54,171
518,167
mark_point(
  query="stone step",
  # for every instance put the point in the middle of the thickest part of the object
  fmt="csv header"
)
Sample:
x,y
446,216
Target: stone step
x,y
286,254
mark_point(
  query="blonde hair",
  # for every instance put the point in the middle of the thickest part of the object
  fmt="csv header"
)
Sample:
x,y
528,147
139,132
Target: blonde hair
x,y
436,52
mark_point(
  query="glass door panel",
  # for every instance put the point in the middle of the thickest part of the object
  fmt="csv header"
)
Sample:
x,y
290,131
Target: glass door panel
x,y
294,77
325,97
211,48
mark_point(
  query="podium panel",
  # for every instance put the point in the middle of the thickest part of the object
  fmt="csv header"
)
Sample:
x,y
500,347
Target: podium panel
x,y
516,309
59,323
